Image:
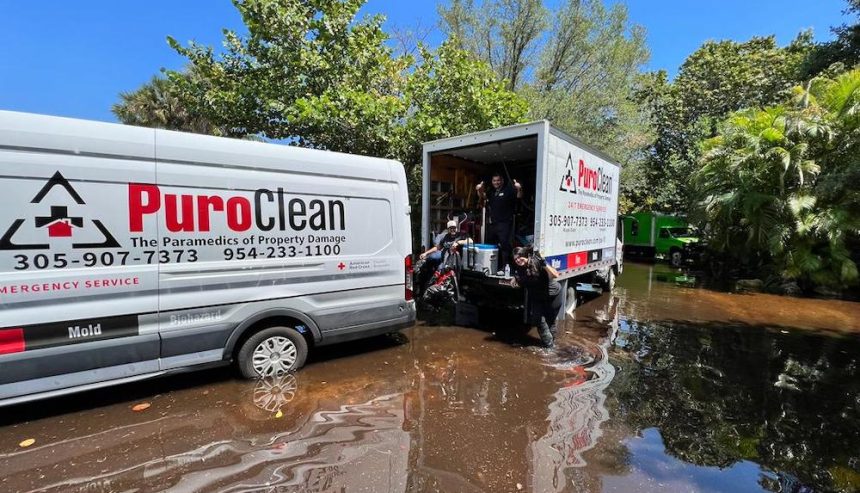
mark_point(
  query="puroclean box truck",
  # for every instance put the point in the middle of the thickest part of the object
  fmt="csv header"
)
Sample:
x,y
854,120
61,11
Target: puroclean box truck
x,y
569,208
129,252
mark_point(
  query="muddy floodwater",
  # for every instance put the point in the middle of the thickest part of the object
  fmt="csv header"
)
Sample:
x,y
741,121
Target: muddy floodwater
x,y
657,387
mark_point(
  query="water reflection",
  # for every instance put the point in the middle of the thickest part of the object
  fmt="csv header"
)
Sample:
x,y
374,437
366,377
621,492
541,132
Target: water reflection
x,y
238,446
578,408
660,388
735,396
273,393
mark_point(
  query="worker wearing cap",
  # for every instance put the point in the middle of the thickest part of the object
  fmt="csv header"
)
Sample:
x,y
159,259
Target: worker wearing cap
x,y
501,202
446,242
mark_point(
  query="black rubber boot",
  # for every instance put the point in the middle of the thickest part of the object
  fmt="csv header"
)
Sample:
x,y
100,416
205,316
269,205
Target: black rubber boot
x,y
546,335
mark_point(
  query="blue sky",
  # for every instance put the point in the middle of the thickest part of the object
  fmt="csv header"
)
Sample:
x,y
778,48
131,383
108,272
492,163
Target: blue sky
x,y
72,58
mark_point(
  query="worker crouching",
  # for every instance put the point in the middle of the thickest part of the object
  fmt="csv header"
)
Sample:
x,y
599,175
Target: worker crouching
x,y
544,293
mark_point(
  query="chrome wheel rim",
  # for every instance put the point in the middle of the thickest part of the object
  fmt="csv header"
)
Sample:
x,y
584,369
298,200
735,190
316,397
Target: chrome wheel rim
x,y
274,356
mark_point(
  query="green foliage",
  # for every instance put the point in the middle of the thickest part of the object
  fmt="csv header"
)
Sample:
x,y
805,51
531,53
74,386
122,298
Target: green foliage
x,y
772,189
450,93
576,67
160,103
503,33
314,73
715,80
307,71
843,51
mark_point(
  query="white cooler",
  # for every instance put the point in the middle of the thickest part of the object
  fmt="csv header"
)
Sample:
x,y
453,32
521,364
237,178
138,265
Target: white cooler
x,y
482,258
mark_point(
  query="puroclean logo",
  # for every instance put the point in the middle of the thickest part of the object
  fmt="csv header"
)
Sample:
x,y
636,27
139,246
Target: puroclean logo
x,y
568,182
59,223
586,179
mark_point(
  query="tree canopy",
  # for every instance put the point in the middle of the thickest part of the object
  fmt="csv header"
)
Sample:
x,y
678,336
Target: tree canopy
x,y
772,187
756,140
715,80
576,67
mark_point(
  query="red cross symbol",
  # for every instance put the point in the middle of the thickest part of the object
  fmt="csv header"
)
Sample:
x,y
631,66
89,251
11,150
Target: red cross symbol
x,y
341,266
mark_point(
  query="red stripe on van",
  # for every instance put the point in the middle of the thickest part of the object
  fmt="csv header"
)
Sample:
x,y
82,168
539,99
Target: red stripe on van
x,y
11,341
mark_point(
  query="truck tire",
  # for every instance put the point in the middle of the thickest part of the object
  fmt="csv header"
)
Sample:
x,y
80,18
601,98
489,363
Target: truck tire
x,y
272,352
571,301
676,258
608,283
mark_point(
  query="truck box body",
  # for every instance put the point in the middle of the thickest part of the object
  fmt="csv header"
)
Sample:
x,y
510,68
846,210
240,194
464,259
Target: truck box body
x,y
569,207
126,252
578,218
575,189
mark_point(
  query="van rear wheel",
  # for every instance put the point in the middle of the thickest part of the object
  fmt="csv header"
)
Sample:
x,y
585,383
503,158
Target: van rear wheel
x,y
272,352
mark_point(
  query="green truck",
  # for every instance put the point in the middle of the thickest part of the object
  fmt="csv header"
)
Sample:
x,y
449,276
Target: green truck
x,y
651,234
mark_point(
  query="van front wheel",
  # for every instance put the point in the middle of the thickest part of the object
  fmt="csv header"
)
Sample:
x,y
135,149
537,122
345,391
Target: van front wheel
x,y
272,352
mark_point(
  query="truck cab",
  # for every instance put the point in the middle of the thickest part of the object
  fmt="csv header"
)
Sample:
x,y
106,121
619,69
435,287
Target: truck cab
x,y
652,234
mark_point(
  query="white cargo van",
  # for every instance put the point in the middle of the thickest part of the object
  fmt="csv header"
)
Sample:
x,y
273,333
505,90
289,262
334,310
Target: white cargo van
x,y
568,211
129,252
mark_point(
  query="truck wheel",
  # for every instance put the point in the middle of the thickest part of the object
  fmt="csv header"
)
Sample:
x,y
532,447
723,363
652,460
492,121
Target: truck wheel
x,y
676,258
272,352
609,281
570,300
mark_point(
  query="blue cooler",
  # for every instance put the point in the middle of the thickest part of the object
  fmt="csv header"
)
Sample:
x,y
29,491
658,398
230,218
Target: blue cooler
x,y
482,258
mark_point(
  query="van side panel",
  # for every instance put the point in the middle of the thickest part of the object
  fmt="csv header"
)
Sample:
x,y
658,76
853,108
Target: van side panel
x,y
74,287
126,252
315,238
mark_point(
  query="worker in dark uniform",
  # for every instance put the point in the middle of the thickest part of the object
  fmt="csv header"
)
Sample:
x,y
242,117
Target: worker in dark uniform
x,y
544,293
501,202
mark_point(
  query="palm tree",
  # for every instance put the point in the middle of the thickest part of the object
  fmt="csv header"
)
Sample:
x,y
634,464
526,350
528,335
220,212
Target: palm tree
x,y
162,103
773,188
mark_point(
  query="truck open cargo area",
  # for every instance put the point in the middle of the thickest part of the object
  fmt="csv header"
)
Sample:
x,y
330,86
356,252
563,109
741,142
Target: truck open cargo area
x,y
568,210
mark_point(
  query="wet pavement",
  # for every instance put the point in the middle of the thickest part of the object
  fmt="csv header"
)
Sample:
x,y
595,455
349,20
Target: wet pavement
x,y
658,387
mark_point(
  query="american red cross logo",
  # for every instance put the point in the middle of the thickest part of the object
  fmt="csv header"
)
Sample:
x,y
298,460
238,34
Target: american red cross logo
x,y
341,266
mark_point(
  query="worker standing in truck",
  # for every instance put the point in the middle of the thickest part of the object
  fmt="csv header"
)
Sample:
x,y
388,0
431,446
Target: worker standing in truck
x,y
501,202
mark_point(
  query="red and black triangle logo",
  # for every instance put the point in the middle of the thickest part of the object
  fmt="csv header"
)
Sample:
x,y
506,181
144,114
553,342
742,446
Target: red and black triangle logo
x,y
59,224
568,181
